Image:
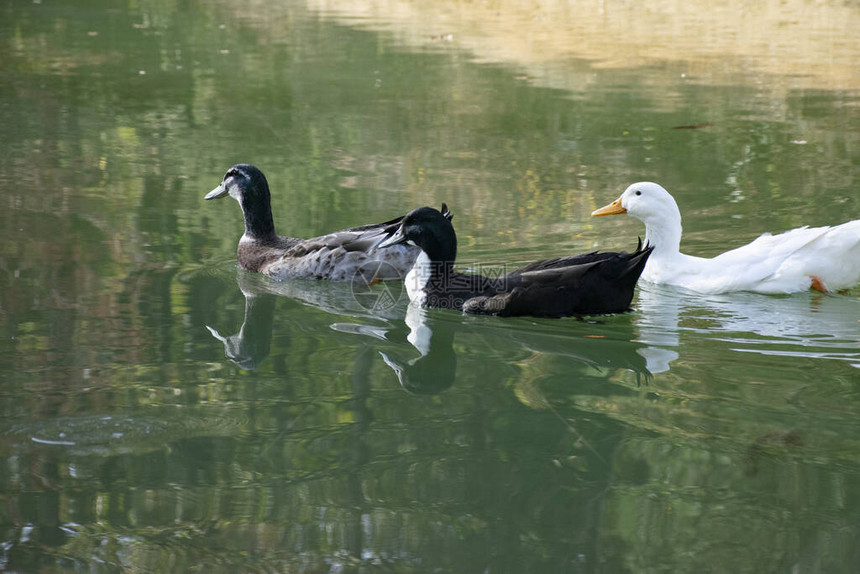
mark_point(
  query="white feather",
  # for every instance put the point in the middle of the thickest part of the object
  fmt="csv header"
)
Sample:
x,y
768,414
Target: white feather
x,y
417,278
420,334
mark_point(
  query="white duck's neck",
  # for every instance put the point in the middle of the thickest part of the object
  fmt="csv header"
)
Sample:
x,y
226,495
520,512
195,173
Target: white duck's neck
x,y
664,232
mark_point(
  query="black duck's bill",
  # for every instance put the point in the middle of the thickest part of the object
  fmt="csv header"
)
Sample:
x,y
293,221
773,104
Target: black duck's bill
x,y
217,193
395,239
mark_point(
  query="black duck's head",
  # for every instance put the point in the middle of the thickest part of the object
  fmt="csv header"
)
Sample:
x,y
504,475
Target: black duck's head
x,y
247,185
429,229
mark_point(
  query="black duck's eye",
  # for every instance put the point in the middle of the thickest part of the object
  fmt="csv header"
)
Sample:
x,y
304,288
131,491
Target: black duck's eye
x,y
638,192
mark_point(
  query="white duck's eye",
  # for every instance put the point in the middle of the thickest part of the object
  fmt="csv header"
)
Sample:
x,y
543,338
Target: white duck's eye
x,y
638,192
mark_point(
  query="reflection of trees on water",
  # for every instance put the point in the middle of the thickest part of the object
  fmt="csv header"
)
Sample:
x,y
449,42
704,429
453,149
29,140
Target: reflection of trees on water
x,y
517,466
473,470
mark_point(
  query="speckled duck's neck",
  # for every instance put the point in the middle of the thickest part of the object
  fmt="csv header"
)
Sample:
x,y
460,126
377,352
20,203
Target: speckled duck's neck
x,y
258,218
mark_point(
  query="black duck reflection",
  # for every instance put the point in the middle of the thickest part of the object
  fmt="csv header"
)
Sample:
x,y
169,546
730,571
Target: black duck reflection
x,y
432,334
435,367
599,345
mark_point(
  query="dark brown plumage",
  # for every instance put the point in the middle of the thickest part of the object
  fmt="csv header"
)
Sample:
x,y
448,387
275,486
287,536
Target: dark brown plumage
x,y
587,284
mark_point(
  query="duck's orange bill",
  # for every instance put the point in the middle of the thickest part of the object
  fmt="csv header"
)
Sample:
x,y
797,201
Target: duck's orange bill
x,y
613,208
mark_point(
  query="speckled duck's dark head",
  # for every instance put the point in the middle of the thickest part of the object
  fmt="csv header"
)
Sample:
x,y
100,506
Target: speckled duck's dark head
x,y
429,229
247,185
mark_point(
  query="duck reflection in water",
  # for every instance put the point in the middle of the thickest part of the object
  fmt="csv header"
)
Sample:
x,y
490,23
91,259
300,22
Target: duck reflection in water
x,y
433,371
432,333
809,324
251,344
435,367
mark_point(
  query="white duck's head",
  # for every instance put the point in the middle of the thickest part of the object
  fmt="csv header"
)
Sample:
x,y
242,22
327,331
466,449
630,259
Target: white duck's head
x,y
656,208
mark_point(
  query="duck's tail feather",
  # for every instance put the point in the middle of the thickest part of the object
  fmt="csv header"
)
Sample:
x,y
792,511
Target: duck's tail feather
x,y
637,260
446,212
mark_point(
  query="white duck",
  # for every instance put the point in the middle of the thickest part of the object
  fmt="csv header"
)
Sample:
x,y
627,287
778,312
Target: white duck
x,y
821,258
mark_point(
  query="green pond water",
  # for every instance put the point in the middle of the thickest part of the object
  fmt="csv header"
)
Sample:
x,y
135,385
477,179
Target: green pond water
x,y
162,411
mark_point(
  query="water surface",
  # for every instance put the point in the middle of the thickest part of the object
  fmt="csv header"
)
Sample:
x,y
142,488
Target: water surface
x,y
163,411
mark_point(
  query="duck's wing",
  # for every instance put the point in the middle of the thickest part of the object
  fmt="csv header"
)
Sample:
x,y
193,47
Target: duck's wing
x,y
786,262
384,225
347,255
601,286
395,222
541,293
579,259
559,262
363,238
569,273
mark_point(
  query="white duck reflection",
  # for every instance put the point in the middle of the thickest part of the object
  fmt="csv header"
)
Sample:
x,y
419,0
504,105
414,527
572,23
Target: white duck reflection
x,y
808,325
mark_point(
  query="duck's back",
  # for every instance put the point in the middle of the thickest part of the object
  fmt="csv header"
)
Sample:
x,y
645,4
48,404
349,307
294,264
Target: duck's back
x,y
783,263
345,255
603,284
831,254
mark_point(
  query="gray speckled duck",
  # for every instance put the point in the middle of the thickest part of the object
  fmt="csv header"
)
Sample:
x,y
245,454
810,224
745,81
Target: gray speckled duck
x,y
339,256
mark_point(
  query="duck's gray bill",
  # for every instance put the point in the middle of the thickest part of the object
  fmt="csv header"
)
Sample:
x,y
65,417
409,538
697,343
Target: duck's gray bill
x,y
395,239
216,334
217,193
